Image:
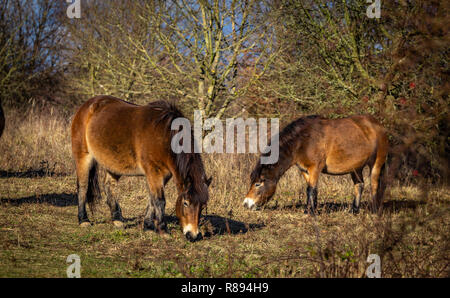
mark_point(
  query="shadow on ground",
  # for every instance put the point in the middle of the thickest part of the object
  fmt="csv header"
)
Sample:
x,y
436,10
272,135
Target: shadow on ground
x,y
391,206
59,200
215,224
31,174
218,225
328,207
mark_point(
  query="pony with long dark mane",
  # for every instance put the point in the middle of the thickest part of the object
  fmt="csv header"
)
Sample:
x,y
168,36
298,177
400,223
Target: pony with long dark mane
x,y
331,146
132,140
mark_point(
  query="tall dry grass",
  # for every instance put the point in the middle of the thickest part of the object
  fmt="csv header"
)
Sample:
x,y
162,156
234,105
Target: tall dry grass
x,y
36,141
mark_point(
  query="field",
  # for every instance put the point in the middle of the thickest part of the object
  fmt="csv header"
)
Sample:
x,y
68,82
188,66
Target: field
x,y
39,228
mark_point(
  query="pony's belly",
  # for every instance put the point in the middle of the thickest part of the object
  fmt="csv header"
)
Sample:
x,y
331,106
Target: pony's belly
x,y
115,157
333,167
118,166
345,157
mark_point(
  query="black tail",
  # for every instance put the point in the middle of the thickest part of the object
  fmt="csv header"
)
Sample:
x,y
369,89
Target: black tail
x,y
93,195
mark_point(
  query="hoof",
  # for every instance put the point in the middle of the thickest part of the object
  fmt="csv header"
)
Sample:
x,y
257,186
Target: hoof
x,y
85,224
118,224
354,211
309,212
149,226
160,229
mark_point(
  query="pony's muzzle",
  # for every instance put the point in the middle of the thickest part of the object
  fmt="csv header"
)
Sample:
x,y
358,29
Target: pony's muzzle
x,y
192,238
249,203
191,233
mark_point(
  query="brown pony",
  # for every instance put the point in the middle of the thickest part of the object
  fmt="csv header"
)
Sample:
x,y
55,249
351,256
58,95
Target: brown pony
x,y
131,140
335,147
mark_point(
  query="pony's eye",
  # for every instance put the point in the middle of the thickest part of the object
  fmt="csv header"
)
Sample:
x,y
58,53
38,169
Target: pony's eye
x,y
185,204
258,184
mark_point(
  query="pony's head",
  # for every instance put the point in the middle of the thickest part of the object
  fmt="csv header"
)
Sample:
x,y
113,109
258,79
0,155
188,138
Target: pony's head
x,y
191,178
189,207
262,187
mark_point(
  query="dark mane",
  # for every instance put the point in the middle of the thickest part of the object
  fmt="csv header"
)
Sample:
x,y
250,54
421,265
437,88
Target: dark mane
x,y
292,133
289,137
189,165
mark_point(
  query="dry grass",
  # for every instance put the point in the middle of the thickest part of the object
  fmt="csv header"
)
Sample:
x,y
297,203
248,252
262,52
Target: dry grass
x,y
39,229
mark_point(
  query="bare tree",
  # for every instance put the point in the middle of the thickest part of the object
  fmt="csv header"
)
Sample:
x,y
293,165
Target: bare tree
x,y
339,61
29,39
191,50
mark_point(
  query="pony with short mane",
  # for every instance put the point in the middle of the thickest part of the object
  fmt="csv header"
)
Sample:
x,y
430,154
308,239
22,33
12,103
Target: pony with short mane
x,y
331,146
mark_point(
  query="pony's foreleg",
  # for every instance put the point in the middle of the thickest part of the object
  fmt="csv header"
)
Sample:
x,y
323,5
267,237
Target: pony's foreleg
x,y
358,181
112,201
154,215
311,176
311,205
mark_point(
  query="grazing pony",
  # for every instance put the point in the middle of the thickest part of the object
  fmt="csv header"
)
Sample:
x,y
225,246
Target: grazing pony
x,y
317,145
131,140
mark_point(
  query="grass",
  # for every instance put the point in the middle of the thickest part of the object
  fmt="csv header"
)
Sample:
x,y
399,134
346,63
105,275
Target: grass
x,y
39,229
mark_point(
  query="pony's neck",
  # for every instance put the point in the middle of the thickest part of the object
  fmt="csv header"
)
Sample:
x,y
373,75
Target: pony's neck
x,y
280,167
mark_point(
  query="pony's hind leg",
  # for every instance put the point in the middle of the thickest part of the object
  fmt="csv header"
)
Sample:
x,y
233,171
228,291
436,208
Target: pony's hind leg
x,y
377,173
358,181
84,166
154,215
376,186
113,203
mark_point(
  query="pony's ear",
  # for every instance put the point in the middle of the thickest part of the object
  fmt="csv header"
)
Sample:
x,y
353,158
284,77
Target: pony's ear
x,y
208,181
